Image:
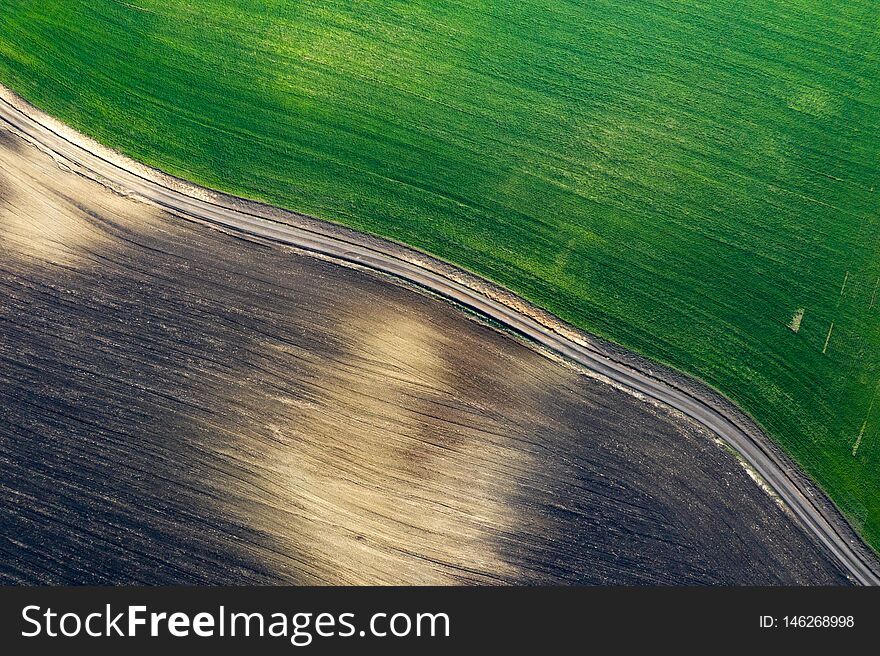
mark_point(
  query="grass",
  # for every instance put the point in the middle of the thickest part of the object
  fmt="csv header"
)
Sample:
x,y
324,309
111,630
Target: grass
x,y
679,177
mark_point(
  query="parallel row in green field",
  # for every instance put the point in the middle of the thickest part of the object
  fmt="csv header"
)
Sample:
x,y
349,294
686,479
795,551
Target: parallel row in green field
x,y
692,179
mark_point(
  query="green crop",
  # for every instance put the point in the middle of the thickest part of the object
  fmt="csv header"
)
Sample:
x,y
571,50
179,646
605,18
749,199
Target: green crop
x,y
690,179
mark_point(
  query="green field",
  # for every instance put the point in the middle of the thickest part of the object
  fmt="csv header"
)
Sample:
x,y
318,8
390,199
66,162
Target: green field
x,y
678,176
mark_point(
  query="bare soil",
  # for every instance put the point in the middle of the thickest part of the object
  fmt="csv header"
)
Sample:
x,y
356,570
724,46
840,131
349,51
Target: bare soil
x,y
178,405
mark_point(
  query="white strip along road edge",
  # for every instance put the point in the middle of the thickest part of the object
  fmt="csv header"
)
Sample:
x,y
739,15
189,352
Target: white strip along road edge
x,y
189,201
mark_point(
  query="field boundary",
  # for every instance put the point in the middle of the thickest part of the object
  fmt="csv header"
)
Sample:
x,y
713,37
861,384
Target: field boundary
x,y
673,389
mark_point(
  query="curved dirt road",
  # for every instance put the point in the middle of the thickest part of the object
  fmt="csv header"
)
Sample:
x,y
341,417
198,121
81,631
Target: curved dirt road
x,y
188,201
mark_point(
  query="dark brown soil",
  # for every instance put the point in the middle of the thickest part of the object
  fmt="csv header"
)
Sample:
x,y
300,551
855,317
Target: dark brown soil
x,y
181,406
